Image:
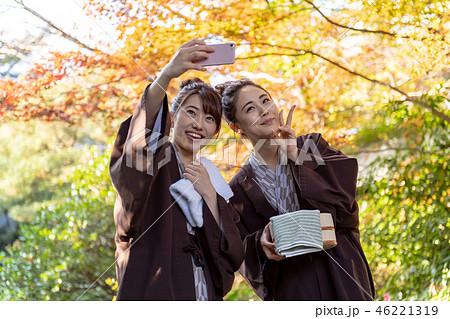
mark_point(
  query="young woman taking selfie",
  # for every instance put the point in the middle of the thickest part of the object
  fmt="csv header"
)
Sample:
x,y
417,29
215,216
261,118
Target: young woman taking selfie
x,y
266,187
167,247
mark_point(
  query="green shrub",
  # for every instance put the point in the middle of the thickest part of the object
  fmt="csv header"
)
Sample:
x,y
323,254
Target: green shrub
x,y
34,157
67,251
241,291
405,207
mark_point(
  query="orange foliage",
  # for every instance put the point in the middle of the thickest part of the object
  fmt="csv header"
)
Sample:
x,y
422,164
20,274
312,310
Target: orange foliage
x,y
278,45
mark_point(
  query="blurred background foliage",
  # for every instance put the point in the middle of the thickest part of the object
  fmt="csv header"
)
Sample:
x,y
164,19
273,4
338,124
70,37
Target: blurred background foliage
x,y
372,77
405,199
59,254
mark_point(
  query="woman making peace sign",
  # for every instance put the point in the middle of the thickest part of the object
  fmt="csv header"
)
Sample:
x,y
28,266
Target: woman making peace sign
x,y
274,181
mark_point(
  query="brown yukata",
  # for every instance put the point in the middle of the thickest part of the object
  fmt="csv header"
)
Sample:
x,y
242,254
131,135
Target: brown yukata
x,y
154,249
339,273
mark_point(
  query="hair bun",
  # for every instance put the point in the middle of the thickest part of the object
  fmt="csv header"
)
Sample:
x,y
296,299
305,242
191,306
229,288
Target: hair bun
x,y
190,82
221,87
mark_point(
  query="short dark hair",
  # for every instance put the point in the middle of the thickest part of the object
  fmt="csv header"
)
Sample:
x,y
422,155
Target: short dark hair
x,y
211,99
230,92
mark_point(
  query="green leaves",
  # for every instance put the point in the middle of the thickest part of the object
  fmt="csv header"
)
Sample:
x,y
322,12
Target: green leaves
x,y
69,245
406,211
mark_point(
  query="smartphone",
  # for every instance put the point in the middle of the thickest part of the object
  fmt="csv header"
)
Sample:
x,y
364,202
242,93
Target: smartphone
x,y
224,54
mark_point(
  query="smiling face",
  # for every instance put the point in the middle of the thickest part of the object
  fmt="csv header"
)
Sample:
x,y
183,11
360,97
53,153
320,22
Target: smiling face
x,y
192,125
256,113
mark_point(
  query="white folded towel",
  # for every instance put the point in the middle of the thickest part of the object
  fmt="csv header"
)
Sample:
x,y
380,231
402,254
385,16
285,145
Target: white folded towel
x,y
190,201
219,183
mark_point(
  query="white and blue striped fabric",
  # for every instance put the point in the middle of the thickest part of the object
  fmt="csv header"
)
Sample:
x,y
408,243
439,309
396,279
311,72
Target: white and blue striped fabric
x,y
297,233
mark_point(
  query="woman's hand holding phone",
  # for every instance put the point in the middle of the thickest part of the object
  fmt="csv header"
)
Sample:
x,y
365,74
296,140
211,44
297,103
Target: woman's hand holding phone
x,y
181,62
186,57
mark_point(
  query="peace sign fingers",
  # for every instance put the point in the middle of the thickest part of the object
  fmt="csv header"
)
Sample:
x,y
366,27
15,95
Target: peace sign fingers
x,y
289,117
285,135
280,118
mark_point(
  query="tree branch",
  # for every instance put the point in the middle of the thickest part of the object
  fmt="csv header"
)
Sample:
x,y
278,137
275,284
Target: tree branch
x,y
52,25
393,34
177,13
300,52
347,27
90,87
415,150
277,20
16,53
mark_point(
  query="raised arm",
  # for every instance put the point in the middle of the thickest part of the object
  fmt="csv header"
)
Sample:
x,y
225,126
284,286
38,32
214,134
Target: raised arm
x,y
131,168
184,60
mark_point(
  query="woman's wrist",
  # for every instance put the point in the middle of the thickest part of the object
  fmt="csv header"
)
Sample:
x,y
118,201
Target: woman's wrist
x,y
163,79
210,197
293,155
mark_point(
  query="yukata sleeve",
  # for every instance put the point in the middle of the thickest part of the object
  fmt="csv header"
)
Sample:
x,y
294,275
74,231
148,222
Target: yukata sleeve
x,y
328,178
223,245
253,267
138,151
